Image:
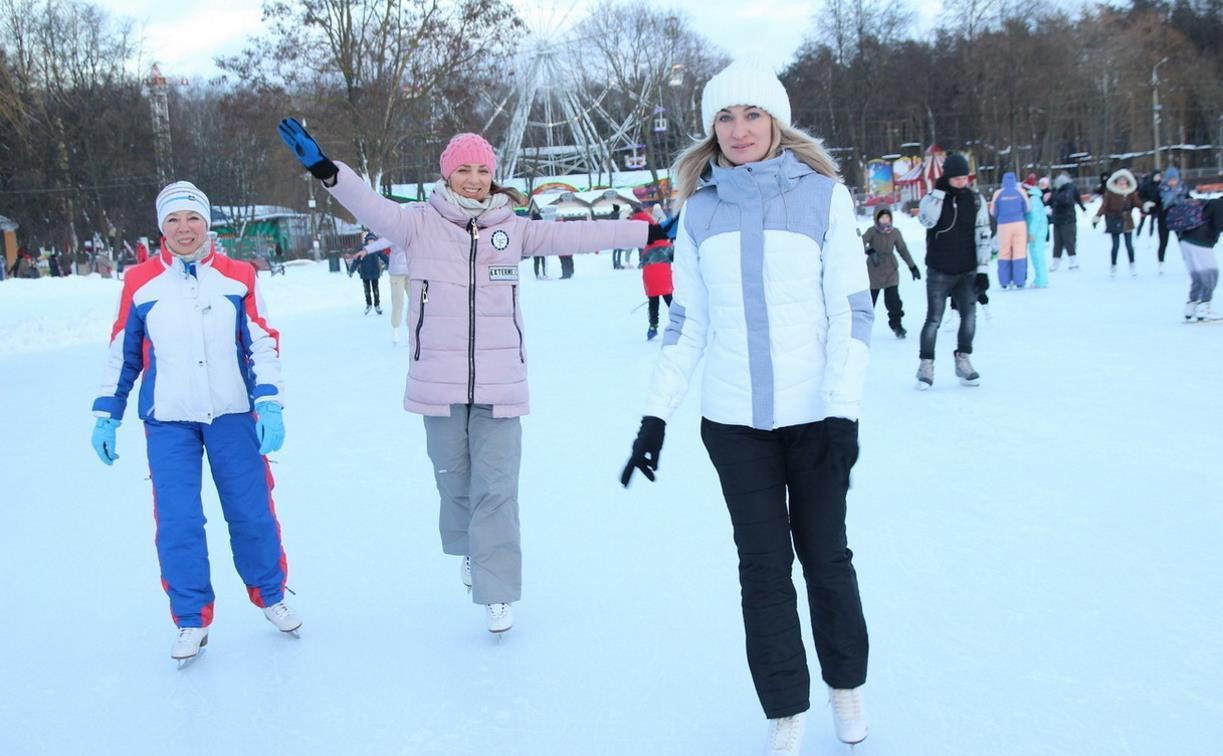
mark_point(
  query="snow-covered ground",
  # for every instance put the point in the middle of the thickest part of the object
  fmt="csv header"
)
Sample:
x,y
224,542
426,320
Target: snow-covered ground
x,y
1039,556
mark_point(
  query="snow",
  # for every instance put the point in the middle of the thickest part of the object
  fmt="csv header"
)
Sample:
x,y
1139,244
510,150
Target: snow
x,y
1038,556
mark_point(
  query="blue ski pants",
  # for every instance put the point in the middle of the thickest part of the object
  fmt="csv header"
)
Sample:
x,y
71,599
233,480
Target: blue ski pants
x,y
244,484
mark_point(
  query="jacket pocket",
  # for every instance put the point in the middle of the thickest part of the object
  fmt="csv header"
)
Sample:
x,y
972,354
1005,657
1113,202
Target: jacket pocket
x,y
514,315
420,321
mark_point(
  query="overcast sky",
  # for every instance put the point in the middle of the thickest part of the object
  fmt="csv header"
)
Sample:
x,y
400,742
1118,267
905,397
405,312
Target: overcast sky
x,y
187,38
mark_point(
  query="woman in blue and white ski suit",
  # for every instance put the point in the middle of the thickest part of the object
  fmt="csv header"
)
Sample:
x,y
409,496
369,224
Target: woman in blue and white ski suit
x,y
770,288
192,326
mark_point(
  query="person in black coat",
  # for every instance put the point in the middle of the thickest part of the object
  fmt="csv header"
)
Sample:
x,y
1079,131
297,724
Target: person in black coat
x,y
1153,209
1063,217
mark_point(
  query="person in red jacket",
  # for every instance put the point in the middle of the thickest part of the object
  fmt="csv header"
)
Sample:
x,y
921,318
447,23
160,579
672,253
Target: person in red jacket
x,y
655,271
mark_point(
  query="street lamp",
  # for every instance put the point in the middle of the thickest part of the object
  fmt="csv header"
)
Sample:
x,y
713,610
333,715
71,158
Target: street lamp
x,y
1155,108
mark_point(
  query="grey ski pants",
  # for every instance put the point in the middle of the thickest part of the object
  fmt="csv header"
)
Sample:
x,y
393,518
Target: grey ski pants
x,y
475,462
1203,271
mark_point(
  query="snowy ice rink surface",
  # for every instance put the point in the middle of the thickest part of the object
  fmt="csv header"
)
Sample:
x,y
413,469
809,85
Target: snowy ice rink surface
x,y
1039,556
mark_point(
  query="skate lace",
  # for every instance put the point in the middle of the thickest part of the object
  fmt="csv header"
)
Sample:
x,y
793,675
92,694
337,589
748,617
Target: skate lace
x,y
498,610
280,610
846,705
784,734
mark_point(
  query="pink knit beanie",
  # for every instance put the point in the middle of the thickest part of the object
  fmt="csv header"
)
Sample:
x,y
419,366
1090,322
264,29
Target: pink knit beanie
x,y
467,148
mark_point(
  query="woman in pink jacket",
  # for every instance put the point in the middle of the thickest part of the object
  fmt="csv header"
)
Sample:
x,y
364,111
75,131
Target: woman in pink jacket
x,y
468,368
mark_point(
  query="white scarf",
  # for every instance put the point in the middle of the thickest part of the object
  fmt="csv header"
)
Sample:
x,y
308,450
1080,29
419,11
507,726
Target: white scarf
x,y
472,208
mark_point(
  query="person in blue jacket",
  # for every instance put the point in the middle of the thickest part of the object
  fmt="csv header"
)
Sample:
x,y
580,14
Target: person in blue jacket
x,y
370,262
193,327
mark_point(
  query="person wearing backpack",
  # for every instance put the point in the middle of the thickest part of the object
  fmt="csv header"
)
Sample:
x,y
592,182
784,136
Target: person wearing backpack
x,y
1197,248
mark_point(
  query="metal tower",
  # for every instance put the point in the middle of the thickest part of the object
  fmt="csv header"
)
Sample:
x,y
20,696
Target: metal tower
x,y
159,105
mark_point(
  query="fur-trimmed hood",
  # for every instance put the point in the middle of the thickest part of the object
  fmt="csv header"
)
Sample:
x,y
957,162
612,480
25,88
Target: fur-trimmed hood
x,y
1124,173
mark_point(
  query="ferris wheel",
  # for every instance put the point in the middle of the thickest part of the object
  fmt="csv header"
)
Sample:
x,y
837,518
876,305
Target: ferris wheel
x,y
557,126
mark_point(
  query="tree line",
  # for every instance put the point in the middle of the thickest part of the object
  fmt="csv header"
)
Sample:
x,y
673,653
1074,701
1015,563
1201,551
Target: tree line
x,y
386,82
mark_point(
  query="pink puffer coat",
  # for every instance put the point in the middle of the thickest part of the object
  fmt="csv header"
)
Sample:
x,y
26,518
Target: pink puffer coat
x,y
464,319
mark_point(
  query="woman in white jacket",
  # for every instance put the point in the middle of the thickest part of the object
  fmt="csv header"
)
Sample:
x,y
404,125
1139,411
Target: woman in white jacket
x,y
770,285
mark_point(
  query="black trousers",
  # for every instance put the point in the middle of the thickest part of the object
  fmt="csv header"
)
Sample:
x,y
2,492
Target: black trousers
x,y
1163,234
961,289
566,266
371,285
783,487
1065,235
653,308
891,300
541,266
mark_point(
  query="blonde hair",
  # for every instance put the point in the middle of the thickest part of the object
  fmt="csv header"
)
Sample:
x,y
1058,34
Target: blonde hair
x,y
691,164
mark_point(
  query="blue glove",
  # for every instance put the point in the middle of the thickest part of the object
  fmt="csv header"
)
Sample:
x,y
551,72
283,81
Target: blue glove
x,y
307,150
270,427
104,439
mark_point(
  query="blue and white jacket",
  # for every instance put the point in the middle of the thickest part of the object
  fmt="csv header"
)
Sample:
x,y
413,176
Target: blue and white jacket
x,y
202,341
769,280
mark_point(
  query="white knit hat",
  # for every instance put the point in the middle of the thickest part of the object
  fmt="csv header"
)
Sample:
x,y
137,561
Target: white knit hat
x,y
745,82
183,195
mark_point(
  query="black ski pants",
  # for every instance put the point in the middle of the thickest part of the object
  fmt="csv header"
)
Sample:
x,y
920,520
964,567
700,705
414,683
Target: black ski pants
x,y
891,300
1163,234
785,490
371,285
653,308
1065,235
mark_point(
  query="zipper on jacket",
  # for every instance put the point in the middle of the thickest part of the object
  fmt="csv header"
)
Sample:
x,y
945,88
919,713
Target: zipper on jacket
x,y
424,299
471,313
514,296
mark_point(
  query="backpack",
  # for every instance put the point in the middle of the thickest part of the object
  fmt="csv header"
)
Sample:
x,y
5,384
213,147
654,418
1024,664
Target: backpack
x,y
1185,215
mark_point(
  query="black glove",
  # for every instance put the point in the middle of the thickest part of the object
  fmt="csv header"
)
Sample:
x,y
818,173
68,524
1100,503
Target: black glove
x,y
298,140
656,234
646,449
916,273
982,283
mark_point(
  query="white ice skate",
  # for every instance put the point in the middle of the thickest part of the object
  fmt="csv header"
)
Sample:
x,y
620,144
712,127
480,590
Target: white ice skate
x,y
965,372
925,374
1133,270
1205,315
848,714
500,617
1057,263
394,336
284,618
1112,272
1161,267
1074,262
465,572
786,735
189,643
1191,309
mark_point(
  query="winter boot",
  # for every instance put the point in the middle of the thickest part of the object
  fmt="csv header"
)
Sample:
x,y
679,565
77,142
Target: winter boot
x,y
1204,313
786,735
964,371
465,572
848,714
925,374
500,617
1057,263
189,642
1074,262
651,333
1191,308
284,618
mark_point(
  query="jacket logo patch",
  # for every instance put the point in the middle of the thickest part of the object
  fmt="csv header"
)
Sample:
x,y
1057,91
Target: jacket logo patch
x,y
502,273
501,240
